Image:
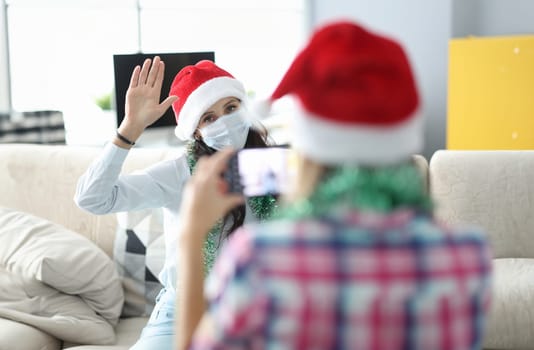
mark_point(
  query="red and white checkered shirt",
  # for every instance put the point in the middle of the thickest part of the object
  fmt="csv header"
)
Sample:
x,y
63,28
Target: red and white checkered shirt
x,y
354,281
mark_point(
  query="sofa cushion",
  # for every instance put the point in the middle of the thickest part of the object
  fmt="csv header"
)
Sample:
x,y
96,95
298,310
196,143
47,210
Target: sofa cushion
x,y
18,336
511,321
128,331
53,277
139,252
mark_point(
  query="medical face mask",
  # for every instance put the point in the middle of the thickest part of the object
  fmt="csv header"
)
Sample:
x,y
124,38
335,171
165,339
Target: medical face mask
x,y
230,130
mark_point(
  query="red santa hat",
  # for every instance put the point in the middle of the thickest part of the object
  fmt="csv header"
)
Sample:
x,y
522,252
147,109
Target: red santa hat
x,y
198,87
358,101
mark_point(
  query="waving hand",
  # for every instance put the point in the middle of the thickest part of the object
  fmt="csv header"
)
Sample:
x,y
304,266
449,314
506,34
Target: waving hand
x,y
142,98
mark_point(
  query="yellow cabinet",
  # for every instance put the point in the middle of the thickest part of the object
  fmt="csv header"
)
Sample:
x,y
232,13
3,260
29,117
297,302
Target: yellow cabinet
x,y
490,102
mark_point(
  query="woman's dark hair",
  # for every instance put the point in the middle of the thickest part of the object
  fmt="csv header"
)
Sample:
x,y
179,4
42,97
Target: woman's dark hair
x,y
258,137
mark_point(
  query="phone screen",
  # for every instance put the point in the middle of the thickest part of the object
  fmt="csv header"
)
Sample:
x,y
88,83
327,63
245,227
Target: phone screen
x,y
261,171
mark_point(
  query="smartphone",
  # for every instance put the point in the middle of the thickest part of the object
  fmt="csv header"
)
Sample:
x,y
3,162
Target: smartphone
x,y
260,171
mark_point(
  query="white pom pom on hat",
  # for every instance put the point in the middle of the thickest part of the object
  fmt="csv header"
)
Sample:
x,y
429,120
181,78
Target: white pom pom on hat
x,y
357,96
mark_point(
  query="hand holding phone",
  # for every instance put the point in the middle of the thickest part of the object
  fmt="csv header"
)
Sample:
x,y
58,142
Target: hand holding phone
x,y
259,171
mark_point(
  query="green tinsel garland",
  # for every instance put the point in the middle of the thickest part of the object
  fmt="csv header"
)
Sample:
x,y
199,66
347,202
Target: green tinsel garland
x,y
374,189
262,207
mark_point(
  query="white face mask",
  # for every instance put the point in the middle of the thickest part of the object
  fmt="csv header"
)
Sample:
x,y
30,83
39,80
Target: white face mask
x,y
230,130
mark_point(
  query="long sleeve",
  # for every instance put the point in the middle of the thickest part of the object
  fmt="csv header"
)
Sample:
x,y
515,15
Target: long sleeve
x,y
102,189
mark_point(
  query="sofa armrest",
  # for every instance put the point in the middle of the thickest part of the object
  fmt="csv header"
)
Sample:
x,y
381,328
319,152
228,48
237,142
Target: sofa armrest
x,y
490,189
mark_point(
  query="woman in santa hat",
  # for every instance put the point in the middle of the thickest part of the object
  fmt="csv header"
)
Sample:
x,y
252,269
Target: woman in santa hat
x,y
209,105
355,258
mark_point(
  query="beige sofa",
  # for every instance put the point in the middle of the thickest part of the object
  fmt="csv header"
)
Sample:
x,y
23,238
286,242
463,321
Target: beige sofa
x,y
495,190
41,180
491,189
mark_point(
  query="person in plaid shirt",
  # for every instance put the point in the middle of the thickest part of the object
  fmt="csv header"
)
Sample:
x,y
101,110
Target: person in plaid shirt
x,y
354,259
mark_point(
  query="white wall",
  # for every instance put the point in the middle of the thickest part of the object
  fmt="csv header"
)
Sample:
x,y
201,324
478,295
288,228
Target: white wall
x,y
4,74
425,27
492,17
504,17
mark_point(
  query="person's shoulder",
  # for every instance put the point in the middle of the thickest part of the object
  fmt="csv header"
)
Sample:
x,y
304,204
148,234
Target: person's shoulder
x,y
286,231
238,249
254,243
436,229
470,233
173,160
170,173
178,156
181,160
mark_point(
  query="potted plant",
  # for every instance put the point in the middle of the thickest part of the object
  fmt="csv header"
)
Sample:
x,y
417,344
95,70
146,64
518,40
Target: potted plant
x,y
104,102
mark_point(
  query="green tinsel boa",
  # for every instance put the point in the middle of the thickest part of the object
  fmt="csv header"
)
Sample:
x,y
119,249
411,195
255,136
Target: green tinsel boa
x,y
262,207
381,189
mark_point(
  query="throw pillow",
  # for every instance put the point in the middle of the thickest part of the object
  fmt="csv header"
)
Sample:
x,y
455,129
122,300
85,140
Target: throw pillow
x,y
139,253
53,277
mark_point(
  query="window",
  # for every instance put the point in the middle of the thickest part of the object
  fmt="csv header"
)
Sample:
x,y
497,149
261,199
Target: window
x,y
61,51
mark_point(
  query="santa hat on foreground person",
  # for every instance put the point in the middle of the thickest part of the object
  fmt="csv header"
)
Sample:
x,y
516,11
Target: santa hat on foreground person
x,y
357,97
198,87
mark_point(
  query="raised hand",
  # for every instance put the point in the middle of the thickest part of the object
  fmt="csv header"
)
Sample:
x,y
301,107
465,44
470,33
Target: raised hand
x,y
142,98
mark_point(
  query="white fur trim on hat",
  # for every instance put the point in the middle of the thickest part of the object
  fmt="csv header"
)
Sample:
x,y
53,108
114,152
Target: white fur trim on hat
x,y
335,144
203,98
261,108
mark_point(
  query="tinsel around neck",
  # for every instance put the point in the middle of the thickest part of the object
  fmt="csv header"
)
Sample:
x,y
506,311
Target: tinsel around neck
x,y
380,190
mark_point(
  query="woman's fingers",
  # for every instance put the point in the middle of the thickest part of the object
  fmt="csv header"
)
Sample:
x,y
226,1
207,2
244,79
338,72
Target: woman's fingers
x,y
221,159
216,163
167,103
206,198
232,200
144,71
159,77
135,77
150,74
154,71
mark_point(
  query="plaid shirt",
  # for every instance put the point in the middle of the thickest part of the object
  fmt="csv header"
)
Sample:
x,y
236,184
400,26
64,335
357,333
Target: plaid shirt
x,y
354,281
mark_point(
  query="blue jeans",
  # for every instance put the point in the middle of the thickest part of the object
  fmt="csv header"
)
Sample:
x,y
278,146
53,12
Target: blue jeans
x,y
159,331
